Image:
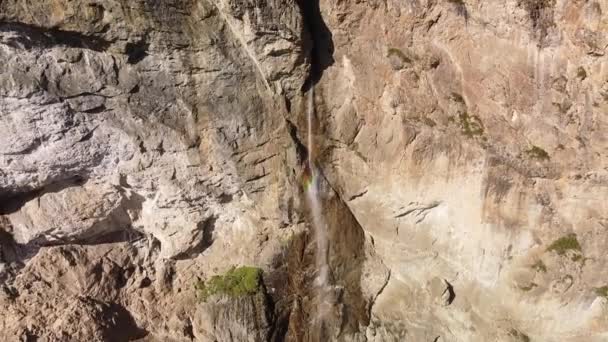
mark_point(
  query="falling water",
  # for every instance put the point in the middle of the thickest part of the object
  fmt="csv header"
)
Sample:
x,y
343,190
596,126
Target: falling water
x,y
313,199
312,193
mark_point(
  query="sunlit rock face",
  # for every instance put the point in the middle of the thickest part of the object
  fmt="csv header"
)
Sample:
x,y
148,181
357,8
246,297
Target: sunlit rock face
x,y
147,146
468,138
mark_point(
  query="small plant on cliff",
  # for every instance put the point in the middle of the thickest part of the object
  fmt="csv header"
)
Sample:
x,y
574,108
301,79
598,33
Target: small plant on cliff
x,y
470,125
237,282
540,266
537,153
564,244
602,291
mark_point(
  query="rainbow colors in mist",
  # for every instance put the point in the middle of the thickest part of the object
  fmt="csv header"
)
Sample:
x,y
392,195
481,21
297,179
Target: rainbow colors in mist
x,y
307,178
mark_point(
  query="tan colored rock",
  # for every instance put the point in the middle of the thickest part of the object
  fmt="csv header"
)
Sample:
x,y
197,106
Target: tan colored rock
x,y
78,212
148,146
481,132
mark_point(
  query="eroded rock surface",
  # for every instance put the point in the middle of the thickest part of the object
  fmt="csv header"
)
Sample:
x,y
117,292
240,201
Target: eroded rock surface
x,y
468,137
149,145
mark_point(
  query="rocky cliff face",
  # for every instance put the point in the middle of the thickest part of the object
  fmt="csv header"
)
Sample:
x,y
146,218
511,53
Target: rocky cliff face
x,y
147,146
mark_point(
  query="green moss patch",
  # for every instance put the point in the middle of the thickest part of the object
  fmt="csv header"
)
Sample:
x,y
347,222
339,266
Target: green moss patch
x,y
470,125
565,244
536,152
237,282
602,291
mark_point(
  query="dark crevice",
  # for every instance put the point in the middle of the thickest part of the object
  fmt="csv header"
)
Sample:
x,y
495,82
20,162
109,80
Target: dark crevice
x,y
449,289
102,108
122,276
208,228
256,178
135,89
29,336
357,195
280,327
301,150
373,300
86,93
205,229
461,9
189,329
322,42
16,254
541,13
142,146
88,135
37,142
137,51
127,234
12,254
9,252
32,36
146,282
28,250
225,198
124,327
10,203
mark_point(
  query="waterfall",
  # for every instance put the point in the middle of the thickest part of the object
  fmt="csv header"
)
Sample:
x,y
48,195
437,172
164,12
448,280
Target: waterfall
x,y
312,194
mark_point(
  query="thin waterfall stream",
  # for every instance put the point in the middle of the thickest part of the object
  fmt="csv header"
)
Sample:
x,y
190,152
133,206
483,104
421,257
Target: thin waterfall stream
x,y
318,221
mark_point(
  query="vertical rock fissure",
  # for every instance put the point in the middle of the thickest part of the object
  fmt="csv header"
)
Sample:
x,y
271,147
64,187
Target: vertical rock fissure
x,y
320,59
339,309
321,56
311,184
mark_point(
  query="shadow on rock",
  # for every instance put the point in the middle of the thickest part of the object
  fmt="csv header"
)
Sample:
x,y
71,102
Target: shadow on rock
x,y
322,55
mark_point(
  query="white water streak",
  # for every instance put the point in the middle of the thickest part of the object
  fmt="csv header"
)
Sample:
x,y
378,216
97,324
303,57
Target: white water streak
x,y
312,193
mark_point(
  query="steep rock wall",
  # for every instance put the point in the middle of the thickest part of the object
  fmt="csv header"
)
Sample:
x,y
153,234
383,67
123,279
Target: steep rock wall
x,y
148,145
468,138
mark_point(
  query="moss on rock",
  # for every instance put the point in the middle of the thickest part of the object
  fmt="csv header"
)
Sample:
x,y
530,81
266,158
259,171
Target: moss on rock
x,y
564,244
237,282
470,125
537,153
602,291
